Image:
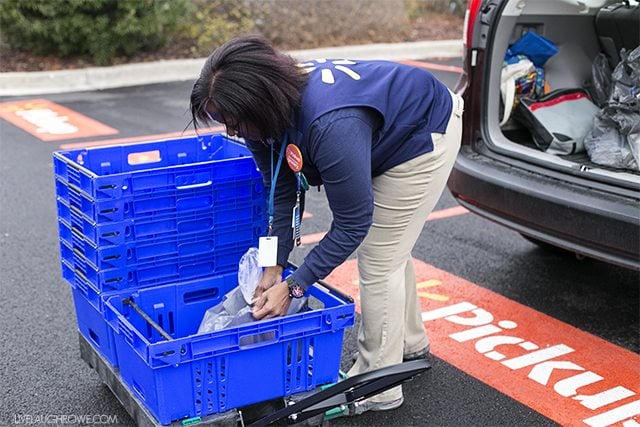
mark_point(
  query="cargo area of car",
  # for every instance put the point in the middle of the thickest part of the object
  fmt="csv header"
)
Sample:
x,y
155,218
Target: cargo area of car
x,y
570,25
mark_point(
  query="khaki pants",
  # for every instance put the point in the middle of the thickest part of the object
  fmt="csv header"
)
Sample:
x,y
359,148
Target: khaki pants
x,y
403,198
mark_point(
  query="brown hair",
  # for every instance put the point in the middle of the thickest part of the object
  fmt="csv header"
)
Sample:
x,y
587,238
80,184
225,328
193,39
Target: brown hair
x,y
248,80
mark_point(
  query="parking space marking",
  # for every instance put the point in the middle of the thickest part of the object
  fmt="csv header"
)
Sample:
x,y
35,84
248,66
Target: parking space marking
x,y
49,121
309,239
561,372
447,213
136,139
433,66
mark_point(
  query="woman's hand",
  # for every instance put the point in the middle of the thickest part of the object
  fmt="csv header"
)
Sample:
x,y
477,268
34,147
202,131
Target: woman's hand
x,y
273,302
270,276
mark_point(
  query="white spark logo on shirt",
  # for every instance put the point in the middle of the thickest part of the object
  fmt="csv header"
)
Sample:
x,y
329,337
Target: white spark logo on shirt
x,y
327,73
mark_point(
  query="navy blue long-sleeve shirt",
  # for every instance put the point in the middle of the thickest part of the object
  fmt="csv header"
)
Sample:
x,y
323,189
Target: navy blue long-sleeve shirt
x,y
338,156
349,129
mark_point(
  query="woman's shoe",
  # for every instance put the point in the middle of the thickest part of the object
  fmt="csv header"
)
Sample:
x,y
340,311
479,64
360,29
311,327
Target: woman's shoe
x,y
366,405
417,355
357,408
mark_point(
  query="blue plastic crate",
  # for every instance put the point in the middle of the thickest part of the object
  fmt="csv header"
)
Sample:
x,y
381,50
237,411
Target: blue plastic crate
x,y
197,375
107,173
245,217
240,191
216,243
154,273
89,307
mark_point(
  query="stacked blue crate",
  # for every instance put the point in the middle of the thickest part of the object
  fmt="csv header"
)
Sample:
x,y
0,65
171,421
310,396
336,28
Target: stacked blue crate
x,y
164,224
152,213
195,375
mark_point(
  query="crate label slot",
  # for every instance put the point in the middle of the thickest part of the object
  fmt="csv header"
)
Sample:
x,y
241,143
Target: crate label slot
x,y
144,157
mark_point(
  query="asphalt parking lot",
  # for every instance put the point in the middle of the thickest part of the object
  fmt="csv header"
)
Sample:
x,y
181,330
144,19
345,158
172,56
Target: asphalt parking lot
x,y
583,313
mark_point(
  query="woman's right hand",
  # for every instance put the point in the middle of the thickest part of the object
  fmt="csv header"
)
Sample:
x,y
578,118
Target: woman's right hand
x,y
270,276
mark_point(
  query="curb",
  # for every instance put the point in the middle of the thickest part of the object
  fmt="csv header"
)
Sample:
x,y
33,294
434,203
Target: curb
x,y
97,78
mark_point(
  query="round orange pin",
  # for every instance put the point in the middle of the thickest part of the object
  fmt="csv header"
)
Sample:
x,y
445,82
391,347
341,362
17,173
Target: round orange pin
x,y
294,158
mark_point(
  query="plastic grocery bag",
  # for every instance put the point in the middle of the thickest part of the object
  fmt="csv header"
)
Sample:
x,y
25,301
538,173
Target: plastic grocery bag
x,y
522,71
626,79
249,274
512,71
235,308
558,121
614,139
600,80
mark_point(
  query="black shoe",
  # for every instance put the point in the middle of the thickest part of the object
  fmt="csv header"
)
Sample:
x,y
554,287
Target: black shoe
x,y
420,354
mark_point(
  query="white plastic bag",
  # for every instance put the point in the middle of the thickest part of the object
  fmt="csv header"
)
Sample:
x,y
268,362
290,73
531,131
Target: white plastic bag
x,y
511,73
235,307
249,274
221,315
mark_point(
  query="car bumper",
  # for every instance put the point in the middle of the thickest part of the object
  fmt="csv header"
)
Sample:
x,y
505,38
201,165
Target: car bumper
x,y
586,221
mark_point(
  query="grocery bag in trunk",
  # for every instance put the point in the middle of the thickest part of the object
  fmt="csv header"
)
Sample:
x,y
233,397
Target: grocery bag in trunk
x,y
559,120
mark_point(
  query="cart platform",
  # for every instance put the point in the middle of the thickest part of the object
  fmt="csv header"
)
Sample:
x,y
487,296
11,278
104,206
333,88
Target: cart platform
x,y
307,408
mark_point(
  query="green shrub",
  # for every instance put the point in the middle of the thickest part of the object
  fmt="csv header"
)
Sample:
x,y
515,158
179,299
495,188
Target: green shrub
x,y
100,29
213,22
296,24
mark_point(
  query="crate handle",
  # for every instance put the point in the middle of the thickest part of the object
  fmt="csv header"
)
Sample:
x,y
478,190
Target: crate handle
x,y
144,157
198,185
259,339
200,295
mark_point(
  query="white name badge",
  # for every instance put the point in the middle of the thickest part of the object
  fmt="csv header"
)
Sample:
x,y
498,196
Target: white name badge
x,y
268,251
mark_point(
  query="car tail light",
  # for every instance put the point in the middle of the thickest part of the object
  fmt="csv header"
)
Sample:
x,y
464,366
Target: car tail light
x,y
469,20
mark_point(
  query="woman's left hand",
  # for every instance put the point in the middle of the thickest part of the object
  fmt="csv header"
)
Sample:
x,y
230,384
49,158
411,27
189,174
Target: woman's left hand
x,y
273,302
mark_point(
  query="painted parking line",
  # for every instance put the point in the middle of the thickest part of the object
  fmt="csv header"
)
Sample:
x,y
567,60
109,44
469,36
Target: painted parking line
x,y
433,66
137,139
309,239
561,372
49,121
447,213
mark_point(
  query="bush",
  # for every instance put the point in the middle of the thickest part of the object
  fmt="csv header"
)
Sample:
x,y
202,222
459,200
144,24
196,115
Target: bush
x,y
100,29
319,23
104,32
296,24
213,22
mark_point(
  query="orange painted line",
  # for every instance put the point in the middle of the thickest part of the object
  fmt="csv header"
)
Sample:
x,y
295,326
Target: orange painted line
x,y
142,138
309,239
561,372
447,213
49,121
432,66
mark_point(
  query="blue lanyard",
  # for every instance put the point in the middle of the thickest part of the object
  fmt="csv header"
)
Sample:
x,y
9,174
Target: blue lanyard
x,y
274,179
